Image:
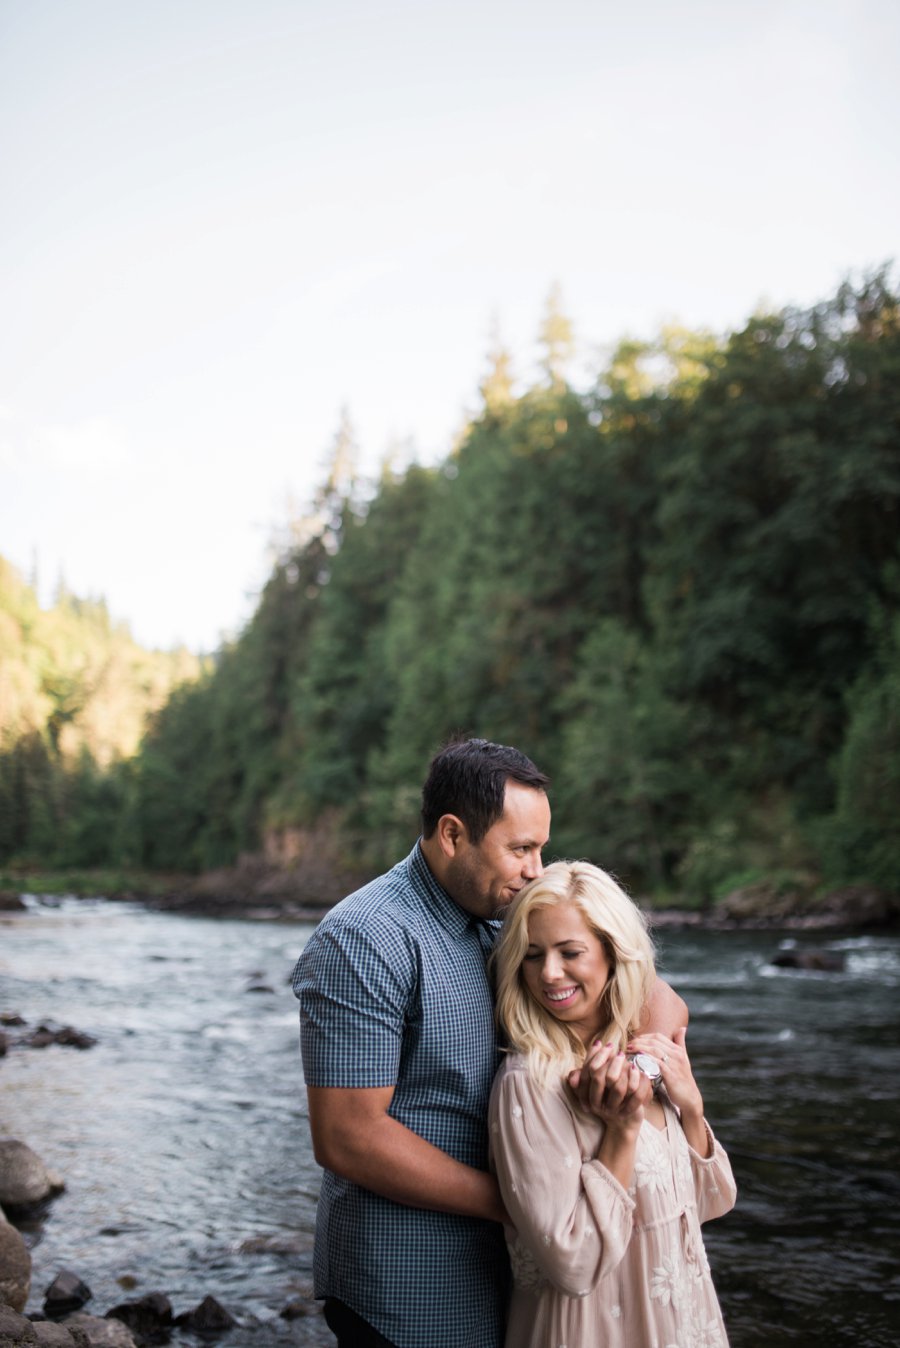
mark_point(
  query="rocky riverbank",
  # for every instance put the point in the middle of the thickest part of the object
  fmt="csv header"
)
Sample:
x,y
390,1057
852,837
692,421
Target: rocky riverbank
x,y
767,905
260,889
27,1188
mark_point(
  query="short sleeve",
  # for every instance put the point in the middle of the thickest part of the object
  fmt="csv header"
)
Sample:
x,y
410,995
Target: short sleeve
x,y
354,987
573,1217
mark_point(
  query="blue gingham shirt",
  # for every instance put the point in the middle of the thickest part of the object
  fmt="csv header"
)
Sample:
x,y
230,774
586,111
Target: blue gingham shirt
x,y
393,991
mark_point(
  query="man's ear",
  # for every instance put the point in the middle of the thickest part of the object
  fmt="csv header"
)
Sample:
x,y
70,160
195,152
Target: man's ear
x,y
451,831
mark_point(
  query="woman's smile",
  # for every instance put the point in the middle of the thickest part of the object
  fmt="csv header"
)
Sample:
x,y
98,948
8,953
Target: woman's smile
x,y
560,994
566,968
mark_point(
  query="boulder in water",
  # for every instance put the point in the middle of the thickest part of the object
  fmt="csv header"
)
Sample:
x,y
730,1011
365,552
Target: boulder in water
x,y
67,1035
51,1334
24,1179
816,961
100,1333
15,1329
210,1317
149,1317
66,1293
15,1267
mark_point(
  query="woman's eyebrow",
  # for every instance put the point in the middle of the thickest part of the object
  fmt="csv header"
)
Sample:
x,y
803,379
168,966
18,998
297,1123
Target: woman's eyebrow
x,y
569,940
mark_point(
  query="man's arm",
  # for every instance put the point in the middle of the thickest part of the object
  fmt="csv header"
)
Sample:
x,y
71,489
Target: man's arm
x,y
665,1011
355,1137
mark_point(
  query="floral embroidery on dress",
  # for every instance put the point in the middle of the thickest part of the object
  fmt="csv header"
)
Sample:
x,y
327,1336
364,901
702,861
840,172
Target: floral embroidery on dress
x,y
703,1329
683,1168
657,1225
668,1283
651,1171
525,1271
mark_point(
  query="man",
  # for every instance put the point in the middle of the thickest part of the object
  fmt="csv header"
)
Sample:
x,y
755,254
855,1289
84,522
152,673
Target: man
x,y
399,1054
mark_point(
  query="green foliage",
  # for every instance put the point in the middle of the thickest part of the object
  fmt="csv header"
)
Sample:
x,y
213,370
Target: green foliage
x,y
862,840
627,784
75,695
677,592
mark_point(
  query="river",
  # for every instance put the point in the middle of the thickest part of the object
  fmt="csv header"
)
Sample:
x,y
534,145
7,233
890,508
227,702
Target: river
x,y
183,1139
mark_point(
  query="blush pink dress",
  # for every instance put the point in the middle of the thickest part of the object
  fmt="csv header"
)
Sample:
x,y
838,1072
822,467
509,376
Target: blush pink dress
x,y
595,1265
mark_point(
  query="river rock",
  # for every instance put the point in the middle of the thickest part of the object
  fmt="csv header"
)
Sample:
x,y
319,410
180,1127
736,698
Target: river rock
x,y
66,1293
209,1317
10,902
100,1333
15,1329
817,961
4,1044
55,1335
67,1035
149,1317
24,1179
15,1266
299,1307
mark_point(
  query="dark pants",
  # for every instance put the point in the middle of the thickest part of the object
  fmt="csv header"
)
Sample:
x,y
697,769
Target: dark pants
x,y
349,1329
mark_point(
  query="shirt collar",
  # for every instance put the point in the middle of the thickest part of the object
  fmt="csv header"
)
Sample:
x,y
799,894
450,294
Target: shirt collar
x,y
435,897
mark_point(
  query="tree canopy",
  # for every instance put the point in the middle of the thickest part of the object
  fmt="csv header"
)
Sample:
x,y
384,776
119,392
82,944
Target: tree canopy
x,y
678,590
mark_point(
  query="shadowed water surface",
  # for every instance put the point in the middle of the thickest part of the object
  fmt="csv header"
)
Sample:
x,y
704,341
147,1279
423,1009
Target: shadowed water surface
x,y
184,1144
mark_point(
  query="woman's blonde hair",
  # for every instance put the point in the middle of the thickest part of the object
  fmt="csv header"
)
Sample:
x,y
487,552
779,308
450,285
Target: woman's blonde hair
x,y
551,1047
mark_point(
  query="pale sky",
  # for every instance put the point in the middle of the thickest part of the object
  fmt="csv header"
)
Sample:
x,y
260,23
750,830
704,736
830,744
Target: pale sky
x,y
221,222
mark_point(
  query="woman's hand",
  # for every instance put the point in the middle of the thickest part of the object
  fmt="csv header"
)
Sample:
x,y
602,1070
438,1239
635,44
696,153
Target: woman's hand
x,y
678,1079
612,1088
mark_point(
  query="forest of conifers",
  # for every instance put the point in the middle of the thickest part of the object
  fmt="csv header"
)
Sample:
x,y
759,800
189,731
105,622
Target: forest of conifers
x,y
679,592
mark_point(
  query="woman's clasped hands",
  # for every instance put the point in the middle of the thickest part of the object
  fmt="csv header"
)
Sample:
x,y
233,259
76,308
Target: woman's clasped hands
x,y
612,1088
678,1079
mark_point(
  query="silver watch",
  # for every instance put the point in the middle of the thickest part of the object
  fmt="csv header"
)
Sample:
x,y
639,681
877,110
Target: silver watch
x,y
647,1064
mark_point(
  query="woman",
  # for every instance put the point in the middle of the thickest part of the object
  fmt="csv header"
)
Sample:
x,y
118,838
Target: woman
x,y
605,1199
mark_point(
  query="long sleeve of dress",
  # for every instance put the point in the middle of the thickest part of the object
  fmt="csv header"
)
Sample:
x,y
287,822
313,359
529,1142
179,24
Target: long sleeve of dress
x,y
714,1186
572,1217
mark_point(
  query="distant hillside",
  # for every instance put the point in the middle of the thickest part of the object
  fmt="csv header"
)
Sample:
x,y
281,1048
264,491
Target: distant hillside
x,y
76,695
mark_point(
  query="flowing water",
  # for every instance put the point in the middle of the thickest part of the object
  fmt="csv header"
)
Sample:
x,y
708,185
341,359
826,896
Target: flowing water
x,y
184,1145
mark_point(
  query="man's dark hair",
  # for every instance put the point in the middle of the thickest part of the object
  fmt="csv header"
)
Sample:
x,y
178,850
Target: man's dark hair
x,y
468,777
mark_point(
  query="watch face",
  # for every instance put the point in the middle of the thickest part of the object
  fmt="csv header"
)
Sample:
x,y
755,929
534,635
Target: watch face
x,y
648,1065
